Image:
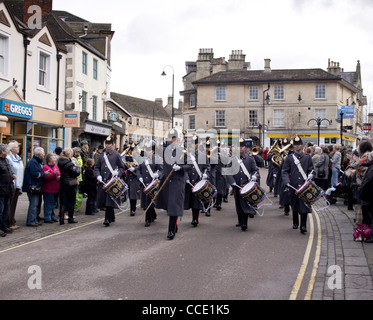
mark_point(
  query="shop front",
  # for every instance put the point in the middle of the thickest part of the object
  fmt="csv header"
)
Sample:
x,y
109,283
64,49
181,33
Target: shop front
x,y
31,127
329,138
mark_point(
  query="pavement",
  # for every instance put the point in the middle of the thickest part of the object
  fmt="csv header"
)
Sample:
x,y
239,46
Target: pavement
x,y
341,257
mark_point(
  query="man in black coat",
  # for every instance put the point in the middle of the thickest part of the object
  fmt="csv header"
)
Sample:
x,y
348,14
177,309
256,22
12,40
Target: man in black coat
x,y
294,179
199,170
6,189
104,174
172,196
239,180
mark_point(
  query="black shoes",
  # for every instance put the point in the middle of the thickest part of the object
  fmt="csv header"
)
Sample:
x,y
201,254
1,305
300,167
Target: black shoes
x,y
244,227
194,223
170,235
147,224
295,226
71,221
303,230
106,223
133,213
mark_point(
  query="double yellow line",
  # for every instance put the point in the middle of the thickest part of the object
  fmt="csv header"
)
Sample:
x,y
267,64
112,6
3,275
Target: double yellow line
x,y
303,268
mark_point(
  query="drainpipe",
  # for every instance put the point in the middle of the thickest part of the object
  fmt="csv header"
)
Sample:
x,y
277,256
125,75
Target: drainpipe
x,y
26,42
59,57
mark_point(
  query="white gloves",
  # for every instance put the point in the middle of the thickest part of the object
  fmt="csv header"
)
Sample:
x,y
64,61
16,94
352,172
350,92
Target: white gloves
x,y
234,184
132,169
99,179
254,178
156,175
205,176
115,173
311,176
176,168
188,181
141,180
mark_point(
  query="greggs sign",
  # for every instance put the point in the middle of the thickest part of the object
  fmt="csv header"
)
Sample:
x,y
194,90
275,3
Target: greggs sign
x,y
16,109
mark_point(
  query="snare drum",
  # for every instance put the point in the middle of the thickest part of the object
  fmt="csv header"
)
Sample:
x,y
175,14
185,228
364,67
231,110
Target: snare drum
x,y
115,187
151,189
204,190
309,192
253,193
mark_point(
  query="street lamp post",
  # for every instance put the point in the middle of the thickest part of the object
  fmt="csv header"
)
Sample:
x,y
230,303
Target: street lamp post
x,y
173,89
341,114
319,121
265,99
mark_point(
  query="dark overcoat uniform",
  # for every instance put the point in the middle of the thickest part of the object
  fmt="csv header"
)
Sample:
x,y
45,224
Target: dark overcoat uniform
x,y
241,180
172,195
143,172
191,200
272,170
280,187
291,175
101,169
132,182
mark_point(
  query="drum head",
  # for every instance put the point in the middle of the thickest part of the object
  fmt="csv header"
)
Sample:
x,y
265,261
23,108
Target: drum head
x,y
248,187
199,185
150,185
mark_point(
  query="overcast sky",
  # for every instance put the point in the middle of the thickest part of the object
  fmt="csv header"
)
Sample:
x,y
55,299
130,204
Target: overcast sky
x,y
294,34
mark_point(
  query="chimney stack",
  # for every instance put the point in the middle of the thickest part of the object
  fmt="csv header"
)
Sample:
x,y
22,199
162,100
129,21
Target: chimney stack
x,y
45,6
267,65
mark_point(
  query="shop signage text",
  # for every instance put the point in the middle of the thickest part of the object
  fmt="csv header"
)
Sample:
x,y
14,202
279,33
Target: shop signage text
x,y
16,109
71,119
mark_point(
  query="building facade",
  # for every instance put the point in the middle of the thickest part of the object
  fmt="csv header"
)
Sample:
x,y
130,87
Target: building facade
x,y
149,120
267,104
32,85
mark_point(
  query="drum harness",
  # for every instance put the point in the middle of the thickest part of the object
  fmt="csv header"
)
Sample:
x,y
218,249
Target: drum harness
x,y
123,208
306,179
193,158
248,175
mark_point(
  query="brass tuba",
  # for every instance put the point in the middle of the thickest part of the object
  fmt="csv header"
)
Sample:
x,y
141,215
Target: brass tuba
x,y
279,154
255,150
129,153
277,157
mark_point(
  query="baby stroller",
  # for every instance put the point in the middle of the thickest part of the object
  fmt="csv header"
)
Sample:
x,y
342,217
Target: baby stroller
x,y
340,190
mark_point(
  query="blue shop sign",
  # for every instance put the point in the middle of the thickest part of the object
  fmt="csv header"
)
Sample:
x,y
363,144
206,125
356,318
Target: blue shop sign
x,y
16,109
348,112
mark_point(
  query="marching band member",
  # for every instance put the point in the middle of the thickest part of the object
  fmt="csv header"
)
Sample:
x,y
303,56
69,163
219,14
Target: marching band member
x,y
247,171
108,165
199,170
294,173
280,188
148,171
131,179
171,198
220,181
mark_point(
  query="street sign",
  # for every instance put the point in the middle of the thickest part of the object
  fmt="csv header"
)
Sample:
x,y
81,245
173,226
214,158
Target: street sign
x,y
367,126
348,112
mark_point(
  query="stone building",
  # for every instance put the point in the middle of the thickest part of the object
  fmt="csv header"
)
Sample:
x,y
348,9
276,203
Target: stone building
x,y
269,104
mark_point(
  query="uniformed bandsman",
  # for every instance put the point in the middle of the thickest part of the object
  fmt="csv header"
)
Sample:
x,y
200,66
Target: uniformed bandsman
x,y
239,180
150,169
199,170
104,174
292,177
172,196
131,179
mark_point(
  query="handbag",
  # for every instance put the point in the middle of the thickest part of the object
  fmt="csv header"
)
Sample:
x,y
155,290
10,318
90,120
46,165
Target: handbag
x,y
35,190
